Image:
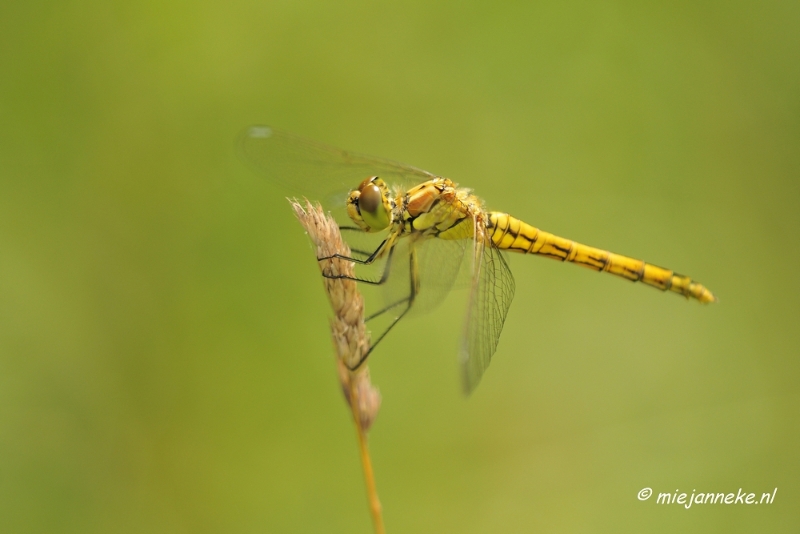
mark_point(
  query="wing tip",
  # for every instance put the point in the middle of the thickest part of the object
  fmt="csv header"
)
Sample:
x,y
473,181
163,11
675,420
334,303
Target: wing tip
x,y
469,379
259,131
467,387
463,362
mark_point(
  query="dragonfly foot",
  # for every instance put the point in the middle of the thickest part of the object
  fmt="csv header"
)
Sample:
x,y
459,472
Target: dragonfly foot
x,y
340,277
358,364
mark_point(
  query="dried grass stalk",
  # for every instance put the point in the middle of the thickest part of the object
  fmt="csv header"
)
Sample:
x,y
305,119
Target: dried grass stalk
x,y
350,336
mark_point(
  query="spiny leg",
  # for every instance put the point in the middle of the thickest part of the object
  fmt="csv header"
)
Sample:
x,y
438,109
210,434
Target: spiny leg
x,y
387,308
414,289
355,229
361,252
367,261
383,335
384,276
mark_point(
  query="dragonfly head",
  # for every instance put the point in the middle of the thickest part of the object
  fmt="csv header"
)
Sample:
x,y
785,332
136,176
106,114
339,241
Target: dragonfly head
x,y
368,205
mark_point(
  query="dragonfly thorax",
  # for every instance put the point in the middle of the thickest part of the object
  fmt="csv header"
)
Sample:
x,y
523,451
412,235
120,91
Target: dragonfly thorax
x,y
369,205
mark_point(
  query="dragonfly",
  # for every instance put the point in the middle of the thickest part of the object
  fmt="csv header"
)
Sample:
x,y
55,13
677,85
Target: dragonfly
x,y
429,227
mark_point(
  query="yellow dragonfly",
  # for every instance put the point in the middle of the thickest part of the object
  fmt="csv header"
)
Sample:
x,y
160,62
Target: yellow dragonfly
x,y
430,226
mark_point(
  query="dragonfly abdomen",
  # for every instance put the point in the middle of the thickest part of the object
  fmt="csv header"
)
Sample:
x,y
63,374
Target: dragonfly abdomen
x,y
510,233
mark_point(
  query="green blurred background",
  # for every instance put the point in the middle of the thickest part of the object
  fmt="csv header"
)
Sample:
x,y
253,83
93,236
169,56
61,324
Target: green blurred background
x,y
165,362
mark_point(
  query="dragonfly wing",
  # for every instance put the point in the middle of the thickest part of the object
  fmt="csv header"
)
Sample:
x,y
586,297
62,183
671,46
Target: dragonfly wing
x,y
431,272
490,297
439,262
317,170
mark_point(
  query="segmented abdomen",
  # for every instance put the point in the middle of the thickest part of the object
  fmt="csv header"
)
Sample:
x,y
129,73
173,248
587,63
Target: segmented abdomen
x,y
510,233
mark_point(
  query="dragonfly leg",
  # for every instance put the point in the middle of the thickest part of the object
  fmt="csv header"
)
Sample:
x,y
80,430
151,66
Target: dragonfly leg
x,y
360,362
366,253
414,289
361,252
387,308
384,276
367,261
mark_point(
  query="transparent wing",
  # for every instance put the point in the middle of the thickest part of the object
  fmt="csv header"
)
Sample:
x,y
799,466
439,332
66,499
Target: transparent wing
x,y
316,170
438,264
490,296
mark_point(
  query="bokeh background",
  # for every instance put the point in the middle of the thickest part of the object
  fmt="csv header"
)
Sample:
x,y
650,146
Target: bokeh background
x,y
165,362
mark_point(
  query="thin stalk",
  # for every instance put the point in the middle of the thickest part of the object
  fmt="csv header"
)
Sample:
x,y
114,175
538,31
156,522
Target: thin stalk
x,y
366,463
349,334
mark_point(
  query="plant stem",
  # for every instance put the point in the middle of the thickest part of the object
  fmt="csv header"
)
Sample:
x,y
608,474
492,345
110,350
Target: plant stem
x,y
366,463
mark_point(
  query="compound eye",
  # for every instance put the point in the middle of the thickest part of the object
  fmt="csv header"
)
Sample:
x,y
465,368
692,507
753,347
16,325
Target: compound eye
x,y
370,199
372,206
